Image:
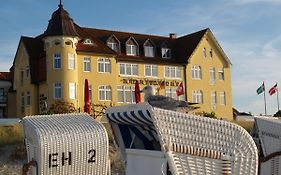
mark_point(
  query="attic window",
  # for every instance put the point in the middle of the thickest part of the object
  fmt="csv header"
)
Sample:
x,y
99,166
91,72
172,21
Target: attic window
x,y
88,41
131,48
57,43
68,42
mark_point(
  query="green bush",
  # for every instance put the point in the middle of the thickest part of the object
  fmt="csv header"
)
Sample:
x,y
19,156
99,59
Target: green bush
x,y
10,134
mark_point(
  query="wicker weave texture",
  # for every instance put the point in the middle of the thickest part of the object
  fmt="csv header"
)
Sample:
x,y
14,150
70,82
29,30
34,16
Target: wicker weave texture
x,y
198,145
65,144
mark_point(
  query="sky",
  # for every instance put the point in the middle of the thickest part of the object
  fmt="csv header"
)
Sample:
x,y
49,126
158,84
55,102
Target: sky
x,y
249,31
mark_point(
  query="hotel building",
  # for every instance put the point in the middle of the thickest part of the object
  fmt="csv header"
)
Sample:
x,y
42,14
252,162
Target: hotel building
x,y
54,65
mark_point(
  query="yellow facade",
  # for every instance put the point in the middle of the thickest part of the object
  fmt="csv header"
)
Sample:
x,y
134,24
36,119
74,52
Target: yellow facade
x,y
65,70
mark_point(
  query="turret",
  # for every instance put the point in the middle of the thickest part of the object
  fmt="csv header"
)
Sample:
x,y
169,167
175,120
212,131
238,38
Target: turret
x,y
60,41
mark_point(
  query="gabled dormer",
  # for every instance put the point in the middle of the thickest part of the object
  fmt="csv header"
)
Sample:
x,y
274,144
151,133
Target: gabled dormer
x,y
113,43
149,48
132,47
166,51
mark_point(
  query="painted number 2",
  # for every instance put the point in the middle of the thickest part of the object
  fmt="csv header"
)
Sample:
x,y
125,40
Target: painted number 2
x,y
92,154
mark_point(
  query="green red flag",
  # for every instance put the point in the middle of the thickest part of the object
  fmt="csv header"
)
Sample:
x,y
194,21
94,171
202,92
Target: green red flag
x,y
260,89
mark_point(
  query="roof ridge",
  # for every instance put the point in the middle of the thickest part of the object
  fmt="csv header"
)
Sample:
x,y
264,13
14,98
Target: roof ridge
x,y
107,30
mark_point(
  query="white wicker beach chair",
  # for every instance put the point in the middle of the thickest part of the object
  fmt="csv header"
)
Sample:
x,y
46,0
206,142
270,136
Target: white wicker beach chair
x,y
66,144
196,145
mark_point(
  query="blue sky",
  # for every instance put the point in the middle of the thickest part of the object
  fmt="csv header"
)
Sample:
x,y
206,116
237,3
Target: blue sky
x,y
249,31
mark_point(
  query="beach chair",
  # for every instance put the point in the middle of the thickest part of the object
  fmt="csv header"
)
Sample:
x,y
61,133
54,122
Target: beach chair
x,y
191,144
66,144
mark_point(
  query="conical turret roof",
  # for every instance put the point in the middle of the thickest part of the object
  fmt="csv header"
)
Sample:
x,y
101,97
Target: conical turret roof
x,y
61,24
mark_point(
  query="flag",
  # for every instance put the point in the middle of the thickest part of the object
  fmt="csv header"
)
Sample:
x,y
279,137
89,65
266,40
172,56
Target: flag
x,y
162,85
260,89
180,90
273,89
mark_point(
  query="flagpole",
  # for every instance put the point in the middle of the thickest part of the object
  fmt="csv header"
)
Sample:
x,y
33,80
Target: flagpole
x,y
277,99
264,99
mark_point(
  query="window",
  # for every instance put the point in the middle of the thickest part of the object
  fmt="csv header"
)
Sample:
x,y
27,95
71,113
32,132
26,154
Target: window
x,y
151,70
90,92
105,93
128,69
28,98
113,45
104,65
88,42
126,94
57,61
196,72
211,53
22,102
222,98
71,61
149,51
197,96
87,64
166,53
212,75
221,74
173,72
131,49
213,100
27,72
21,77
57,91
204,53
72,91
171,92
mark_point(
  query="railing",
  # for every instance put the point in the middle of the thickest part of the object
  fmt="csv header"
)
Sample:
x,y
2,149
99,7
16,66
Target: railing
x,y
3,99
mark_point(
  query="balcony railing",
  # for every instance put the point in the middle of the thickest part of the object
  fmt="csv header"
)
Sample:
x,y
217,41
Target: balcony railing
x,y
3,99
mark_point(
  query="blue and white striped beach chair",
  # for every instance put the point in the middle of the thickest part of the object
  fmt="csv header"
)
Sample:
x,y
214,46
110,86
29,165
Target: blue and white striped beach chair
x,y
191,144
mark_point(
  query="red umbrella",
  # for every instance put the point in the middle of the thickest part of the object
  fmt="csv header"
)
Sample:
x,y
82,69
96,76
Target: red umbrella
x,y
87,106
137,92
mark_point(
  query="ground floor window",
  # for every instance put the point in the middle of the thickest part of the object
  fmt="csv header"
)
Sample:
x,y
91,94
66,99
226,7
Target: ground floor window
x,y
1,113
126,94
105,93
171,92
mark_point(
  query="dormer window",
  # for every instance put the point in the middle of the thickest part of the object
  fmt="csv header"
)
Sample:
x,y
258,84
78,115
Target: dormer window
x,y
113,43
131,47
88,41
149,49
166,52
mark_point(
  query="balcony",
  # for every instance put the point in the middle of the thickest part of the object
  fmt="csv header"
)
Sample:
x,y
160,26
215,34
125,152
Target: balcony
x,y
3,100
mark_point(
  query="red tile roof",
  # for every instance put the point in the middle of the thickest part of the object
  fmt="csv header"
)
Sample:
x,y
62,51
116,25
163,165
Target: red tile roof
x,y
5,76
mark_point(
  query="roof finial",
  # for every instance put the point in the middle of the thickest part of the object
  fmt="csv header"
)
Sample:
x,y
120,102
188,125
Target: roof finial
x,y
60,5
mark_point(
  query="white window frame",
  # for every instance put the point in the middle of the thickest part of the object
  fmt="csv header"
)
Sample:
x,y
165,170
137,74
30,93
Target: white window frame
x,y
71,61
86,64
149,51
72,91
197,96
222,98
104,65
196,72
172,92
213,100
221,74
57,62
130,48
173,72
212,75
126,92
106,92
150,70
57,88
113,45
129,69
166,52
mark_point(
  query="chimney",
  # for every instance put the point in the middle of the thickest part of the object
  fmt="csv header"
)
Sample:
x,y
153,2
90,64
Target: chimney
x,y
173,35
